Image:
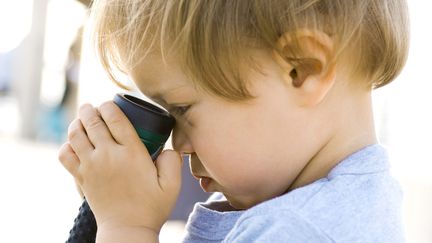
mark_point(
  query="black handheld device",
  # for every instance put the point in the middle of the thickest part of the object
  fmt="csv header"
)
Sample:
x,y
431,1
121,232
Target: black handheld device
x,y
153,126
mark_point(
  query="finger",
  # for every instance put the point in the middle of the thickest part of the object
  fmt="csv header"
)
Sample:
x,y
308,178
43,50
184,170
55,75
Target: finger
x,y
78,139
96,129
69,159
118,124
169,165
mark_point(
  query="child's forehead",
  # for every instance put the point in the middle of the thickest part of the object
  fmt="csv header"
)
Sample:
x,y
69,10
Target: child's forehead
x,y
155,67
158,78
165,90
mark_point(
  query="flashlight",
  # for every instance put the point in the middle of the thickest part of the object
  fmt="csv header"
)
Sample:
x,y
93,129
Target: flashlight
x,y
153,126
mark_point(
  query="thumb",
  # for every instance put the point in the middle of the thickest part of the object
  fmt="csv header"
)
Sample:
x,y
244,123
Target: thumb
x,y
169,166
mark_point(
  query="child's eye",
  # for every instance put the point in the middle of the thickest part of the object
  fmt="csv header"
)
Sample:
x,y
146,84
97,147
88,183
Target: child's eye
x,y
179,110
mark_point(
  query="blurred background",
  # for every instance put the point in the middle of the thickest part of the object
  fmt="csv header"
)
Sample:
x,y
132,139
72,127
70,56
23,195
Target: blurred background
x,y
47,68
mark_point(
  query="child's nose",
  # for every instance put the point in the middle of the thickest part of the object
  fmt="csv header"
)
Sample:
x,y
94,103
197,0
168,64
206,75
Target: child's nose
x,y
181,142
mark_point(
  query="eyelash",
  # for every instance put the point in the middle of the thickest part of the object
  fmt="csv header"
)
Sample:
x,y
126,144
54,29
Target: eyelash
x,y
179,110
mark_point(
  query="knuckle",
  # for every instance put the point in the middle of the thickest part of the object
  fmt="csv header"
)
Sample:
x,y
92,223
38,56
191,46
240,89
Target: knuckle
x,y
62,157
63,153
110,113
115,119
94,122
68,160
74,130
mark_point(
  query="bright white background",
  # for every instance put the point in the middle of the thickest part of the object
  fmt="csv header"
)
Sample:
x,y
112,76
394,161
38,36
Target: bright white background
x,y
404,120
38,200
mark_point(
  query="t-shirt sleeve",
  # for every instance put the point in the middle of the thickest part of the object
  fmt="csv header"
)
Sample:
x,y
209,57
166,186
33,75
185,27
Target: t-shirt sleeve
x,y
286,226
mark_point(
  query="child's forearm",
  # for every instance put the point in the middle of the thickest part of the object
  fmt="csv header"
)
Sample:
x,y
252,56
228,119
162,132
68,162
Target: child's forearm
x,y
126,234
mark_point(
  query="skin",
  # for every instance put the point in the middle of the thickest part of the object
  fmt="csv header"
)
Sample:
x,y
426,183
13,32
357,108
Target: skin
x,y
286,137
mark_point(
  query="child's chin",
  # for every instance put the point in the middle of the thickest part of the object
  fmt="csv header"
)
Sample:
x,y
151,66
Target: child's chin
x,y
238,205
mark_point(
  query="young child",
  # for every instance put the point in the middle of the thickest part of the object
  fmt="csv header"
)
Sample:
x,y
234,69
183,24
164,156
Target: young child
x,y
273,107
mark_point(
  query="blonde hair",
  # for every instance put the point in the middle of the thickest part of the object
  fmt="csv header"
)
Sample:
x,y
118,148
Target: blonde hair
x,y
211,38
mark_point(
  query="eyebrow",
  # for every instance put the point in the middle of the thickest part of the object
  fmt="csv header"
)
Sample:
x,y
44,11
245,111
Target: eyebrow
x,y
160,95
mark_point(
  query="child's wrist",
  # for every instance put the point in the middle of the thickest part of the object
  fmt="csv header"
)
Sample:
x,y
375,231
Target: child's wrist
x,y
125,233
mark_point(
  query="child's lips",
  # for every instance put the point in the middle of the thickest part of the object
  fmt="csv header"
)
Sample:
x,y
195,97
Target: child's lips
x,y
205,183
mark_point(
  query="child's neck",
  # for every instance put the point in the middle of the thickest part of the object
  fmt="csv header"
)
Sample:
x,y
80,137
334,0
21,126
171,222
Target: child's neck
x,y
355,130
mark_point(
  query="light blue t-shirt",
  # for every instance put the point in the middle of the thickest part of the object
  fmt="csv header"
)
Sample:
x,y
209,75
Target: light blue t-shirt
x,y
358,201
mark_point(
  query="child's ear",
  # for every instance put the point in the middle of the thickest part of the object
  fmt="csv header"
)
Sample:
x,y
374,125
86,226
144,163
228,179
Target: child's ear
x,y
307,64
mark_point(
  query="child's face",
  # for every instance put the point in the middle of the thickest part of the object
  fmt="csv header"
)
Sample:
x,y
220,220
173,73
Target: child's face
x,y
250,151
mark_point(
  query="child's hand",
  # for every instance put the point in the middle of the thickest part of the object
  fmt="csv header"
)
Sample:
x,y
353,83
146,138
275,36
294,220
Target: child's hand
x,y
122,185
